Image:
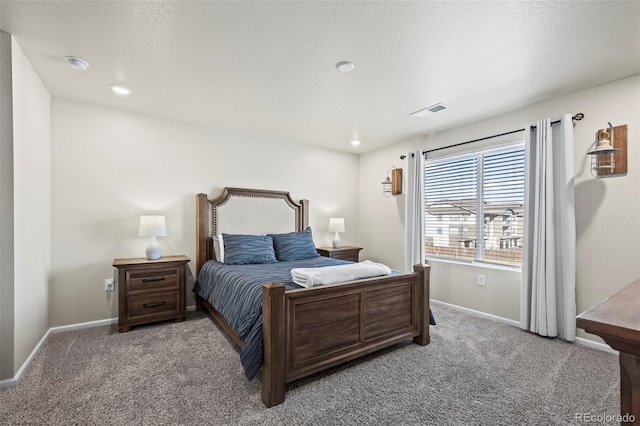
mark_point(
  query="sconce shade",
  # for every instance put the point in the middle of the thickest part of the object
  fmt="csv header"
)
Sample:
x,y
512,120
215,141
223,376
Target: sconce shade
x,y
336,224
386,186
604,147
152,226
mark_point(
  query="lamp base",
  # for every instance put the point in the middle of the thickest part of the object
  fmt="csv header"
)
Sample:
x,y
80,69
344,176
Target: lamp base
x,y
336,241
153,250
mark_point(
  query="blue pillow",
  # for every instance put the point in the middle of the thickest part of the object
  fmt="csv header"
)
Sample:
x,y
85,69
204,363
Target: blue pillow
x,y
240,249
294,245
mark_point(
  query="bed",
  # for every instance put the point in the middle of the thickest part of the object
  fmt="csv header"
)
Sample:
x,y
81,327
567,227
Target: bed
x,y
302,330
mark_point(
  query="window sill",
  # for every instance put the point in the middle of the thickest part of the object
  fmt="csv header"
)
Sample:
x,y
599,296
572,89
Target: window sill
x,y
476,263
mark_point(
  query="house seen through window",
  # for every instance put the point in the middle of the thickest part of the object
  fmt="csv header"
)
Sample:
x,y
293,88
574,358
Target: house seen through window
x,y
479,194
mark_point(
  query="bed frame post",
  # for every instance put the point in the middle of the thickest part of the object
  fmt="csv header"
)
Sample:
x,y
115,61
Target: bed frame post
x,y
273,340
202,231
423,338
304,220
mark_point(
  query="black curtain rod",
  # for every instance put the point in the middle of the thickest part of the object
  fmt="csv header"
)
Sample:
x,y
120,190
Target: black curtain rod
x,y
579,116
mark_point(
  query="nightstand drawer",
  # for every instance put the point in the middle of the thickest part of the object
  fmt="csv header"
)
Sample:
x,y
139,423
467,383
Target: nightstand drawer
x,y
157,304
160,279
353,257
350,253
150,290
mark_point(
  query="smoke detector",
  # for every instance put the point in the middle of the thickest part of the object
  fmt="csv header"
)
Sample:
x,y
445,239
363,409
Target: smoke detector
x,y
77,63
345,66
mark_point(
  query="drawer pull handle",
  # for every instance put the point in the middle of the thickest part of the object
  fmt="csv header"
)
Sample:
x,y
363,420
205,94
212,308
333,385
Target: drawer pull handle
x,y
148,280
153,305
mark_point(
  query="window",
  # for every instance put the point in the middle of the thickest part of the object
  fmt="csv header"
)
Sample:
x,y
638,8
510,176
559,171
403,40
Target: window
x,y
476,194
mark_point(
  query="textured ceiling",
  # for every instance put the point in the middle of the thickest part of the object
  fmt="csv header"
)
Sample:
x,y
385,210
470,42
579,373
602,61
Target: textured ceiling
x,y
267,69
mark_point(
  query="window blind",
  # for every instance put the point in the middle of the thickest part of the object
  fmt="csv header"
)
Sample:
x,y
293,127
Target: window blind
x,y
474,206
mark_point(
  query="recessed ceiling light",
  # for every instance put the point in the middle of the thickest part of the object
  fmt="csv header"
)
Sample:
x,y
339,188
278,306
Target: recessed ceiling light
x,y
120,90
429,110
355,142
77,63
345,66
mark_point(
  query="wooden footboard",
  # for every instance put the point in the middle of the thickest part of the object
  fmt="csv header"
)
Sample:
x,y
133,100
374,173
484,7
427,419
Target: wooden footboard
x,y
309,330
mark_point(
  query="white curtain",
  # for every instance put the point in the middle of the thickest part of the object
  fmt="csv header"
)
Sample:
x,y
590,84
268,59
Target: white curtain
x,y
414,214
548,294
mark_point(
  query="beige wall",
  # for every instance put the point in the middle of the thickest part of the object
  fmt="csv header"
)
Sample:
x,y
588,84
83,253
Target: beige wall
x,y
32,205
110,166
6,210
25,210
607,210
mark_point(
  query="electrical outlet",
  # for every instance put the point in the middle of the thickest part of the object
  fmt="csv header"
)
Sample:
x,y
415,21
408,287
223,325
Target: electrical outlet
x,y
108,284
480,281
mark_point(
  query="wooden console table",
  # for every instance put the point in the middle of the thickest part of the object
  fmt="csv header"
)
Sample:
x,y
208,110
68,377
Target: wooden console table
x,y
617,321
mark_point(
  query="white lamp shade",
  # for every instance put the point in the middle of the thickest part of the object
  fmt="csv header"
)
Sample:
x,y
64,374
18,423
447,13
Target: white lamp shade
x,y
604,147
152,226
386,186
336,224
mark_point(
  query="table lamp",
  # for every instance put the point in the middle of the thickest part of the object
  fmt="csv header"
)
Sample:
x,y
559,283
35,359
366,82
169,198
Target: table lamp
x,y
152,226
336,224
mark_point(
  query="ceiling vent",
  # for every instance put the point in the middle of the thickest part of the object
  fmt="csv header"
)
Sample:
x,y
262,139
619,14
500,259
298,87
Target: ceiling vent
x,y
429,110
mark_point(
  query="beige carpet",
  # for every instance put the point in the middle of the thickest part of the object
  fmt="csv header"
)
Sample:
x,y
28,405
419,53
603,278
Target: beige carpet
x,y
475,372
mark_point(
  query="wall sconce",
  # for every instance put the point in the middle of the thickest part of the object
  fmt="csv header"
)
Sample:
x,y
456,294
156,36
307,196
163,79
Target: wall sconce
x,y
392,184
609,157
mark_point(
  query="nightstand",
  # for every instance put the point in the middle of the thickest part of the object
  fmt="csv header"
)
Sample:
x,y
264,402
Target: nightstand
x,y
345,252
150,290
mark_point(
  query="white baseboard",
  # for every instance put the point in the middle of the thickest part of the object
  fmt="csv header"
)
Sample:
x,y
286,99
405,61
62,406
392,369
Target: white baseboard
x,y
9,383
479,313
82,325
595,345
579,340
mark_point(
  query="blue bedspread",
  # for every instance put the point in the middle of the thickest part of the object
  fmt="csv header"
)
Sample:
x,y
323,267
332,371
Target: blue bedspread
x,y
235,291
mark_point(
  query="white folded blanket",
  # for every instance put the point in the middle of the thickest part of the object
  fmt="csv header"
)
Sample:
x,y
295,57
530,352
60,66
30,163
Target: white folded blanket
x,y
309,277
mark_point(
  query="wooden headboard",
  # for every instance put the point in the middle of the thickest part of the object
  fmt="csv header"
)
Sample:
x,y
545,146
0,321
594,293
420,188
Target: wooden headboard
x,y
245,211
